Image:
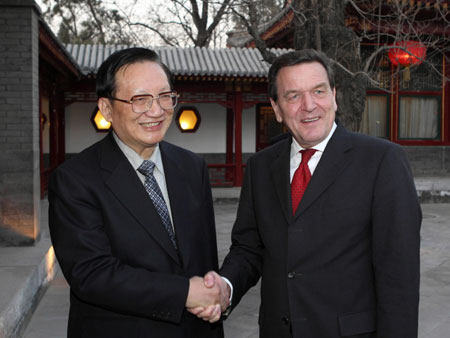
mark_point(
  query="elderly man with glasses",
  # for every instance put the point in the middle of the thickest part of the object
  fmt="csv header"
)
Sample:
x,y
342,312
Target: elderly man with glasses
x,y
131,217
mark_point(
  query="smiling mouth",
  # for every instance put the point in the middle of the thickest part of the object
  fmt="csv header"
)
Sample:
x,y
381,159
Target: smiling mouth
x,y
150,124
310,120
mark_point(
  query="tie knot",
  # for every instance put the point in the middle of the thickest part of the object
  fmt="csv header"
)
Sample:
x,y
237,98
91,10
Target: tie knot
x,y
146,168
307,154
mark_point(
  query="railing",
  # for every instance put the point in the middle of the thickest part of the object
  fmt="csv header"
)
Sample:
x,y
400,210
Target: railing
x,y
223,174
220,175
45,175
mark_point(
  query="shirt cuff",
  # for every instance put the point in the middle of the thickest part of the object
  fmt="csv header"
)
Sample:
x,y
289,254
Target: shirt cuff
x,y
226,313
231,287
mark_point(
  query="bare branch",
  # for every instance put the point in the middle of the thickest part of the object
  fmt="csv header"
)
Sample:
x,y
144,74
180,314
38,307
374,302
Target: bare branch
x,y
167,40
251,24
98,22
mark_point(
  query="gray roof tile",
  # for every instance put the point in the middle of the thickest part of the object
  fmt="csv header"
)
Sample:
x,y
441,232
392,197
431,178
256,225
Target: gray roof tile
x,y
192,61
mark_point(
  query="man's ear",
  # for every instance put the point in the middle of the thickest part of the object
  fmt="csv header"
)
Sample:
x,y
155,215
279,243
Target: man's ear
x,y
334,99
276,110
104,105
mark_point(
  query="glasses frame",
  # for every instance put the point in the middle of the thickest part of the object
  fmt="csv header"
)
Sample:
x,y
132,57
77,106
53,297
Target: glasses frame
x,y
130,101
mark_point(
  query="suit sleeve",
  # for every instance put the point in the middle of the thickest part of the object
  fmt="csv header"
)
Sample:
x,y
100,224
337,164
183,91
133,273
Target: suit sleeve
x,y
243,264
95,274
396,220
209,210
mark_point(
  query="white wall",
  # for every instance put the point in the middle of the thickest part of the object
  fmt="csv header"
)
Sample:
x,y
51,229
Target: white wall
x,y
80,132
209,138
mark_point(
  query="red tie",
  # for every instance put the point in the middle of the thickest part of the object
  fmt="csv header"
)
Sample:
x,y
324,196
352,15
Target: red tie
x,y
301,178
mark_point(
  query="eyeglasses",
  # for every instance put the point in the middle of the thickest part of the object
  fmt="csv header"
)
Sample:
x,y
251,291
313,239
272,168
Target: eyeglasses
x,y
142,103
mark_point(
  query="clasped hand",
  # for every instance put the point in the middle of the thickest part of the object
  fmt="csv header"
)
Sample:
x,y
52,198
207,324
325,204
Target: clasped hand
x,y
208,297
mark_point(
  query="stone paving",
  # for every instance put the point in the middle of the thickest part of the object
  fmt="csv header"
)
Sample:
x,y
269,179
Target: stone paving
x,y
50,318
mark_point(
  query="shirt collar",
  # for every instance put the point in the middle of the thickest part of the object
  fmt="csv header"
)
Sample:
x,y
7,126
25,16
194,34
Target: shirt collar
x,y
137,160
295,147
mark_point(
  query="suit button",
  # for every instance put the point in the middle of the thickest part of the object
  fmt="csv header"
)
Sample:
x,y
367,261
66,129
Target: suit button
x,y
291,275
285,320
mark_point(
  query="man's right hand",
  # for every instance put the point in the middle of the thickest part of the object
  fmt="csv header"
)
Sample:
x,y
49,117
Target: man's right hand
x,y
212,312
200,295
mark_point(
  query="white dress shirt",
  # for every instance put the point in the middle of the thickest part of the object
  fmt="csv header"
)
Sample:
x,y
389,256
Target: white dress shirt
x,y
296,155
158,172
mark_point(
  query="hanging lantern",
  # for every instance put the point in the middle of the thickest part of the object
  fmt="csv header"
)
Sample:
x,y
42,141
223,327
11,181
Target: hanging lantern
x,y
408,53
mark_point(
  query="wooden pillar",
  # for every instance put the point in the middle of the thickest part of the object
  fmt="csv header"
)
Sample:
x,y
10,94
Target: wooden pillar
x,y
53,132
445,102
229,144
237,107
57,138
61,134
395,113
53,136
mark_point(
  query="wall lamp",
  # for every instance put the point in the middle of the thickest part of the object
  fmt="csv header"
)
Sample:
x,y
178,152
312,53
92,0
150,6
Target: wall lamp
x,y
99,122
188,119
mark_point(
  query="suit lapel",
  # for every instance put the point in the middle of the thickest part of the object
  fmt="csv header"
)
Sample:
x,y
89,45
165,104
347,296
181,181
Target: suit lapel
x,y
334,159
123,181
281,176
177,188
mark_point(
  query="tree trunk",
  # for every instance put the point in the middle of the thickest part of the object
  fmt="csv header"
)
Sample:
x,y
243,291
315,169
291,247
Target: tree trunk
x,y
340,44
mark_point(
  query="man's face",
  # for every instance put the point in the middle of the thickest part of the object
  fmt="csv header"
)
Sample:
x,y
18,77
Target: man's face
x,y
141,132
306,103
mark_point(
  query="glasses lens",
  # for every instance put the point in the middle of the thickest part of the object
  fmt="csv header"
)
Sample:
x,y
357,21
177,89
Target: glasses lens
x,y
141,104
168,100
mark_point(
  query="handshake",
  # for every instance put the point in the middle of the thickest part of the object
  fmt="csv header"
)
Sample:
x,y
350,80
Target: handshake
x,y
208,297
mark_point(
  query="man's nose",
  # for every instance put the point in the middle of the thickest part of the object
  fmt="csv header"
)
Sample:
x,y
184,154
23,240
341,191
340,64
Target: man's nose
x,y
308,102
155,109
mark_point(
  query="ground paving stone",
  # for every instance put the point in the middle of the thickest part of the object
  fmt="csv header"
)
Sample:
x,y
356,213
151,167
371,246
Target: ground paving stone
x,y
50,318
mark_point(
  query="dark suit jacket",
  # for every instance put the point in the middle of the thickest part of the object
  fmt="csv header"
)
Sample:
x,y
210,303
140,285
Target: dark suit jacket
x,y
125,276
347,263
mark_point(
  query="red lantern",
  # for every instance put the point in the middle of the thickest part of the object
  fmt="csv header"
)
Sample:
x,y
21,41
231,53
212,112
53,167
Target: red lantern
x,y
407,53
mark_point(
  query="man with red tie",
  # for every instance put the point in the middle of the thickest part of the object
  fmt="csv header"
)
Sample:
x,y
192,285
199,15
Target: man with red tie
x,y
328,218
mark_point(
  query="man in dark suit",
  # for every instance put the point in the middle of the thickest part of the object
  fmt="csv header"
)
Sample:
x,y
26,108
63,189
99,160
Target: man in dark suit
x,y
131,217
344,261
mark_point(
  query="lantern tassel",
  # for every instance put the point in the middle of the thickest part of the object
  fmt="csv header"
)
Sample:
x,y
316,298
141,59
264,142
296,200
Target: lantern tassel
x,y
406,74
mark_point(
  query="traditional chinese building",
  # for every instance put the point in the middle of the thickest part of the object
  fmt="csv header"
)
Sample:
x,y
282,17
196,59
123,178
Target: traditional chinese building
x,y
48,109
411,104
222,92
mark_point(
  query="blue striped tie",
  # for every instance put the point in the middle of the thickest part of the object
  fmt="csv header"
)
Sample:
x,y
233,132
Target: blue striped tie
x,y
153,190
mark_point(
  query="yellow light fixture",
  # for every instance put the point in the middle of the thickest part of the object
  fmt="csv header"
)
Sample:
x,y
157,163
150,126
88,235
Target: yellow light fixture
x,y
188,119
99,122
